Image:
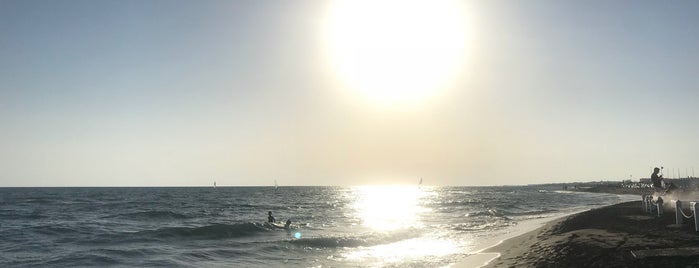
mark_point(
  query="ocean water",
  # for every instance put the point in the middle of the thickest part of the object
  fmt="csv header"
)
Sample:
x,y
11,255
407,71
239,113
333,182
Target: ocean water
x,y
406,226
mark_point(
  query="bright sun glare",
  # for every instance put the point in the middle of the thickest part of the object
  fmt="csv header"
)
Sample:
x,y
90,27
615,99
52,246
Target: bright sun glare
x,y
394,51
389,207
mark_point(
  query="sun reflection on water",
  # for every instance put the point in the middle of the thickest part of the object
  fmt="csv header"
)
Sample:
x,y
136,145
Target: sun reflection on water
x,y
398,210
385,208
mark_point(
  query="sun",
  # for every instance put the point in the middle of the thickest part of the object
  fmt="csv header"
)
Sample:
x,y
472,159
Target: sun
x,y
395,51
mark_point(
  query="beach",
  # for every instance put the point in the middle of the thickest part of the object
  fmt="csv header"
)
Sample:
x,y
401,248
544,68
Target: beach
x,y
604,237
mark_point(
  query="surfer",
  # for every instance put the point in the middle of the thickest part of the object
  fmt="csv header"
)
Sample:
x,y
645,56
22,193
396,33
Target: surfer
x,y
288,223
270,218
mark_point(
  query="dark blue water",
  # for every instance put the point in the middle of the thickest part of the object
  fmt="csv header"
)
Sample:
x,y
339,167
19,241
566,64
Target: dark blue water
x,y
225,226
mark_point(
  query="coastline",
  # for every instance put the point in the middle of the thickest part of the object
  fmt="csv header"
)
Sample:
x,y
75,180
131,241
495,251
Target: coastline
x,y
601,237
491,250
482,255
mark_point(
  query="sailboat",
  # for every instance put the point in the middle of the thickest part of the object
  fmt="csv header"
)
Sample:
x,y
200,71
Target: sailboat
x,y
214,184
420,182
275,186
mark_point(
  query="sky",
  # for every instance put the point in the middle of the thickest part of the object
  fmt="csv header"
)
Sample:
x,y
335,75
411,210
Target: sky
x,y
184,93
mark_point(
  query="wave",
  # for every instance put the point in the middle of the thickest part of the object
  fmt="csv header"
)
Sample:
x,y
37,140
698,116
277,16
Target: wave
x,y
542,211
507,213
84,260
353,241
20,215
214,231
56,230
150,215
39,200
487,213
481,226
457,203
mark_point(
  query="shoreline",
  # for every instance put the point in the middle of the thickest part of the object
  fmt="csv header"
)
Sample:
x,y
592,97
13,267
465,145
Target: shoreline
x,y
483,254
600,237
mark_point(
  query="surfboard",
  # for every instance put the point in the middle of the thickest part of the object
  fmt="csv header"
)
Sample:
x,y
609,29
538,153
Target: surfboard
x,y
277,225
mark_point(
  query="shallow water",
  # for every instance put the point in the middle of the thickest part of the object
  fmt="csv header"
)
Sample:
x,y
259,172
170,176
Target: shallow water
x,y
404,226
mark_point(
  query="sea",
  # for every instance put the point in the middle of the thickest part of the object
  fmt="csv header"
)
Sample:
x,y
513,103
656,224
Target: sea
x,y
367,226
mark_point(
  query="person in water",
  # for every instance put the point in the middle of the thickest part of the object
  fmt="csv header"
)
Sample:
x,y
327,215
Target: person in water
x,y
270,218
288,223
657,180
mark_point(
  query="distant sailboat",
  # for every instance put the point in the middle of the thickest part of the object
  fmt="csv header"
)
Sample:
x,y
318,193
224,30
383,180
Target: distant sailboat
x,y
420,183
214,184
275,186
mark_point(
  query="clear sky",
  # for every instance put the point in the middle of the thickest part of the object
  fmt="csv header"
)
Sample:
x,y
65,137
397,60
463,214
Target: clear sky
x,y
180,93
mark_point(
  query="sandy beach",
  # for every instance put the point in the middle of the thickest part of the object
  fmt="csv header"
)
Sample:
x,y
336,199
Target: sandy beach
x,y
604,237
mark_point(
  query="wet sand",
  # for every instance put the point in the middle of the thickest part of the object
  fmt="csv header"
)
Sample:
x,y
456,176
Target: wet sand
x,y
604,237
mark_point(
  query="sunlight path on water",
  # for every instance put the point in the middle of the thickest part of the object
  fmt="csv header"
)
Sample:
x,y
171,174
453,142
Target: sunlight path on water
x,y
394,208
406,250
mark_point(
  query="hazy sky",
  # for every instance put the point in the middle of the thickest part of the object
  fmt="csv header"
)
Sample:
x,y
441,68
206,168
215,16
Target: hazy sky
x,y
161,93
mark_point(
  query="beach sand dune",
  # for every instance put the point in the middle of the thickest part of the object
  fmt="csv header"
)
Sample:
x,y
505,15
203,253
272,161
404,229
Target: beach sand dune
x,y
604,237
